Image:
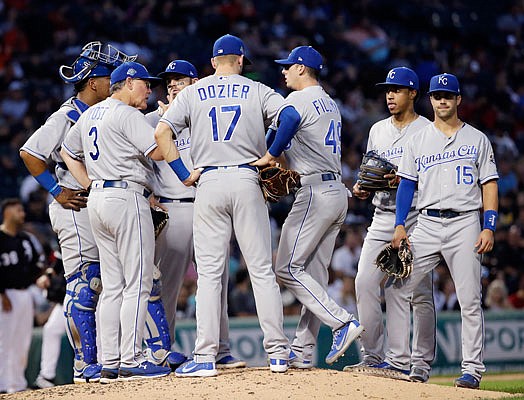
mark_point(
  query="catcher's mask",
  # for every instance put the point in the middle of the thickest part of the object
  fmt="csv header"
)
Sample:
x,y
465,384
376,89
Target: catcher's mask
x,y
95,59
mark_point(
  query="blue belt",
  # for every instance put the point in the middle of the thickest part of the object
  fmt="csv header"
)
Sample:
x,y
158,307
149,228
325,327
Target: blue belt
x,y
442,213
184,200
122,185
326,176
206,169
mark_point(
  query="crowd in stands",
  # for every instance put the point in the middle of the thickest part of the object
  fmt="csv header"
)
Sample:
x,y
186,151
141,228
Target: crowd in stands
x,y
480,42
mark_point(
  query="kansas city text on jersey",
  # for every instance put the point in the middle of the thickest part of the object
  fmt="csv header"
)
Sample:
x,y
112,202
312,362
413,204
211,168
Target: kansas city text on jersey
x,y
464,152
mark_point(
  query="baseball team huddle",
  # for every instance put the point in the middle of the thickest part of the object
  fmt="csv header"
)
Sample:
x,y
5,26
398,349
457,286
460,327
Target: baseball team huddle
x,y
197,158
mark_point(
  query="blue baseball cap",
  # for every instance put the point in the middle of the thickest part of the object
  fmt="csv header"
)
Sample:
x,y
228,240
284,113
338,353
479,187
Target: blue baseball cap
x,y
181,67
134,70
444,83
401,76
229,44
304,55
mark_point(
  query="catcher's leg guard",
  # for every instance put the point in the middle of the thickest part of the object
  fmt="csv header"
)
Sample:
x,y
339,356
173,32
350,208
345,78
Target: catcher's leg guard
x,y
82,291
156,334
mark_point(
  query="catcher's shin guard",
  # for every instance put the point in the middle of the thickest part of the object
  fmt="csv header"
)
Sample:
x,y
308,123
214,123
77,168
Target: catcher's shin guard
x,y
156,334
82,292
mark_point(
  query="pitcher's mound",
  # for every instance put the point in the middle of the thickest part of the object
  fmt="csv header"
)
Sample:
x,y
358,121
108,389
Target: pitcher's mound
x,y
259,383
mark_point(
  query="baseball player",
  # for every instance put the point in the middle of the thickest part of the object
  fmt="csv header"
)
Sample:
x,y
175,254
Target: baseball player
x,y
69,218
20,264
174,245
114,139
454,167
388,138
227,114
309,125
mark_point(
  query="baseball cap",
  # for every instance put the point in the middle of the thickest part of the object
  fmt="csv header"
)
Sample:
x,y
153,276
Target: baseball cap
x,y
444,83
132,69
181,67
229,44
304,55
401,76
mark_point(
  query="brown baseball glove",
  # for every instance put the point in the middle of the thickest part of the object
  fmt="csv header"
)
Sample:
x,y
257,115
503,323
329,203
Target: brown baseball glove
x,y
277,182
397,263
160,218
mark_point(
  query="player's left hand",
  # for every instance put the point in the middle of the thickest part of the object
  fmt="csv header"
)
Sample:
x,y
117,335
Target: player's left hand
x,y
154,203
393,179
485,241
266,160
193,177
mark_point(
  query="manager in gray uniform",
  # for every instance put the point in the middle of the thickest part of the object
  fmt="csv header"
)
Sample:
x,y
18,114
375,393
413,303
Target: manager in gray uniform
x,y
114,139
309,126
227,115
454,167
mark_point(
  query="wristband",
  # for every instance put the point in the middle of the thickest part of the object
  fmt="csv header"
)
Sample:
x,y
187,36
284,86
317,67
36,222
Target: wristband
x,y
180,169
490,220
46,180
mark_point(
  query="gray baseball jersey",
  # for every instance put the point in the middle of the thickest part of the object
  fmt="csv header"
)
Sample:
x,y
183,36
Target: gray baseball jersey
x,y
227,116
459,163
220,111
76,240
115,139
308,235
316,145
449,172
388,141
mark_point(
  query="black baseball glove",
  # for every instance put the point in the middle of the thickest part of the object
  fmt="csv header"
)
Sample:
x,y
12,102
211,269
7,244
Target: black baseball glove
x,y
277,182
160,218
397,263
371,175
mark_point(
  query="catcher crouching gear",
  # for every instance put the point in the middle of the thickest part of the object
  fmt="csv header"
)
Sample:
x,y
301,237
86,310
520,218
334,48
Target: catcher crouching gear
x,y
376,173
276,182
397,263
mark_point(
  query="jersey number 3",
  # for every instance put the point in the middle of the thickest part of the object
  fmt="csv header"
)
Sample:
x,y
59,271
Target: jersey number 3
x,y
237,112
94,133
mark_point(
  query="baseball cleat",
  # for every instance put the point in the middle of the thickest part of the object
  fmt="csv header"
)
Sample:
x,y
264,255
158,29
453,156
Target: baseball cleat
x,y
193,369
342,339
278,365
43,383
467,381
298,362
144,370
108,375
230,362
360,367
89,374
418,375
175,360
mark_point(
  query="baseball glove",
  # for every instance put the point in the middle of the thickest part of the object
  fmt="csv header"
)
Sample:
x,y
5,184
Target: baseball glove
x,y
397,263
277,182
160,218
372,171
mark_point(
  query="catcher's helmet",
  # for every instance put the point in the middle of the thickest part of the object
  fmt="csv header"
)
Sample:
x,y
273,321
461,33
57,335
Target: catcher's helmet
x,y
95,59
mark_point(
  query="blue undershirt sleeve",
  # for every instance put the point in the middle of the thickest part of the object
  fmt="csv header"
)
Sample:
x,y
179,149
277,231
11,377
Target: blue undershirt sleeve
x,y
288,122
405,193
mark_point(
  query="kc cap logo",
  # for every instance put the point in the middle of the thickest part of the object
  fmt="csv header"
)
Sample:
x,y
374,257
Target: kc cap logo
x,y
181,67
401,76
304,55
444,83
133,70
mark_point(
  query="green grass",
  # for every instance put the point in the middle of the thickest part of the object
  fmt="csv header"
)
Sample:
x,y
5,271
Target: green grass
x,y
508,386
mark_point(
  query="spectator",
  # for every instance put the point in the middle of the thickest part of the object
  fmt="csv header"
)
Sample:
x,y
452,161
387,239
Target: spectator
x,y
497,296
